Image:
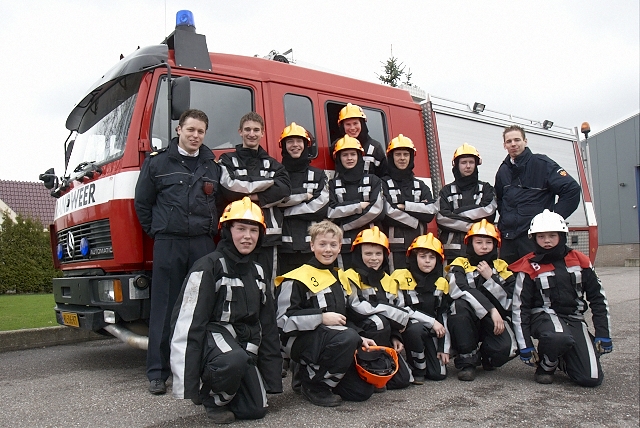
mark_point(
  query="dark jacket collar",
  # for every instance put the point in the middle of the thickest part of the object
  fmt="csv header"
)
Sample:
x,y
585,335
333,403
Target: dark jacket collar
x,y
205,152
521,159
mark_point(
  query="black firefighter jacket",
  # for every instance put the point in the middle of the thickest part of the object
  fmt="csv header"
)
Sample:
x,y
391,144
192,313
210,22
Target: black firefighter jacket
x,y
246,172
170,199
232,294
299,211
403,226
458,209
345,209
526,188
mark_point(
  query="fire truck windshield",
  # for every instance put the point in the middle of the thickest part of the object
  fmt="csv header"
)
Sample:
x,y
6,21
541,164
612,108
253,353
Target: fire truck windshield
x,y
103,130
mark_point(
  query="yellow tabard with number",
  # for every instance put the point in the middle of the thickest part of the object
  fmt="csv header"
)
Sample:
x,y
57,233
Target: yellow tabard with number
x,y
389,285
498,264
315,279
406,281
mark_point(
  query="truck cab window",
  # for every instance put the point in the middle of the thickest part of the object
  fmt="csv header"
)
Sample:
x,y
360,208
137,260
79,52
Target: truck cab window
x,y
223,104
299,109
102,132
376,123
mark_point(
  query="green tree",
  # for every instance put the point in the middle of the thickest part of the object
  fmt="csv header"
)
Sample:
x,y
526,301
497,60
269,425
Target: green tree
x,y
393,71
26,264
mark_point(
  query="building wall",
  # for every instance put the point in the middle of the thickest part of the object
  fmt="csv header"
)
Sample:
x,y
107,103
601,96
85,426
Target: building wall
x,y
614,155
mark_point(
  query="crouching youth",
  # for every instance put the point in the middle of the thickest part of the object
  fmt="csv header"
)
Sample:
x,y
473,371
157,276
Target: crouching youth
x,y
225,352
312,308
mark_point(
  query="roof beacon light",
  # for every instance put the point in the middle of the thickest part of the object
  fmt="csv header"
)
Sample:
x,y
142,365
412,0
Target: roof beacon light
x,y
185,18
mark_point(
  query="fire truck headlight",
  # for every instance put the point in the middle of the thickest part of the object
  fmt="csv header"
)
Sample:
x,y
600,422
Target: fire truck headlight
x,y
60,251
109,317
110,290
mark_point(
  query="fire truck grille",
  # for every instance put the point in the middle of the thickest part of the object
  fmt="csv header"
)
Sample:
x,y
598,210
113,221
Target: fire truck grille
x,y
97,245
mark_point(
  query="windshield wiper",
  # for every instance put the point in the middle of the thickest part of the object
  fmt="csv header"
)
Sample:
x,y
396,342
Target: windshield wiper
x,y
88,172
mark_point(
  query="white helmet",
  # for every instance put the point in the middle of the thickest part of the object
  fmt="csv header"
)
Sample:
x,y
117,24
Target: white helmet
x,y
547,221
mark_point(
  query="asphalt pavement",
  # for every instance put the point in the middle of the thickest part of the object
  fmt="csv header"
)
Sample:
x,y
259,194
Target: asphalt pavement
x,y
102,383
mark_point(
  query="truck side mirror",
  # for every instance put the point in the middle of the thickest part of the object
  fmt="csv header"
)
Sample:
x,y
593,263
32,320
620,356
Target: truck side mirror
x,y
49,179
180,96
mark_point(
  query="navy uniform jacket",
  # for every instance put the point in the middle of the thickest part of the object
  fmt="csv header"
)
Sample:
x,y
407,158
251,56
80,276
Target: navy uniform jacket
x,y
171,199
526,188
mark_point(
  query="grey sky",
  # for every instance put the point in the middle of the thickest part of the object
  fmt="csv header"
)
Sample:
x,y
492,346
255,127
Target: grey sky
x,y
569,61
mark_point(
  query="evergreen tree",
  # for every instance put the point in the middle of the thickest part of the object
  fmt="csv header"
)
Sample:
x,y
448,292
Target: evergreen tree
x,y
393,71
26,264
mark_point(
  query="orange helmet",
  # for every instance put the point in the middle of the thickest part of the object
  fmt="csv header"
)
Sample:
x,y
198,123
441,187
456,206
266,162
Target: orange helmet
x,y
349,111
294,130
427,242
377,365
483,228
466,150
347,142
245,210
371,236
401,142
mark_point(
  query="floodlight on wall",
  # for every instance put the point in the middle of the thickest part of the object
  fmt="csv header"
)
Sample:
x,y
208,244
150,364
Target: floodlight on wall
x,y
547,124
478,107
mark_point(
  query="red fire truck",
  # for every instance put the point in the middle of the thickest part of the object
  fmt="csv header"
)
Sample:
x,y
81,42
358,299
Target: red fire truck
x,y
133,109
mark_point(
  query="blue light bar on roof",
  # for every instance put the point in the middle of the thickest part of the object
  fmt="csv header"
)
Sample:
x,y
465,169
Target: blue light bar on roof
x,y
185,18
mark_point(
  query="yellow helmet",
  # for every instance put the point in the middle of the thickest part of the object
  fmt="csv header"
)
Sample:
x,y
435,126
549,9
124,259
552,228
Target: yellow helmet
x,y
483,228
427,242
294,130
245,210
371,236
465,150
349,111
401,142
347,142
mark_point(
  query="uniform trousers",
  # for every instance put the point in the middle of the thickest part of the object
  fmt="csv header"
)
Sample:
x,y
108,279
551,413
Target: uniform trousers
x,y
326,356
230,377
467,331
422,351
172,259
563,338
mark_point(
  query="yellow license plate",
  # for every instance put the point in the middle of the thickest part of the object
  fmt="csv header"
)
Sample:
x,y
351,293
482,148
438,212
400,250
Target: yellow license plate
x,y
70,319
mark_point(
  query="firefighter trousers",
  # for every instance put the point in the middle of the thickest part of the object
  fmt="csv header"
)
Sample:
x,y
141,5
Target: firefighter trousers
x,y
561,338
230,377
326,358
467,331
422,351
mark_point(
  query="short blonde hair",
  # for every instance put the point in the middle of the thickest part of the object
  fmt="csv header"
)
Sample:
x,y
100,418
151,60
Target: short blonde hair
x,y
324,227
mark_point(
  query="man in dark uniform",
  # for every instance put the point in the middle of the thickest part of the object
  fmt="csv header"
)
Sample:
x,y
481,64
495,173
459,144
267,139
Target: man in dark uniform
x,y
526,184
175,201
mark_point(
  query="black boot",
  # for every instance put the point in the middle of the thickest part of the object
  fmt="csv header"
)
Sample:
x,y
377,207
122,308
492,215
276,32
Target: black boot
x,y
320,395
220,415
